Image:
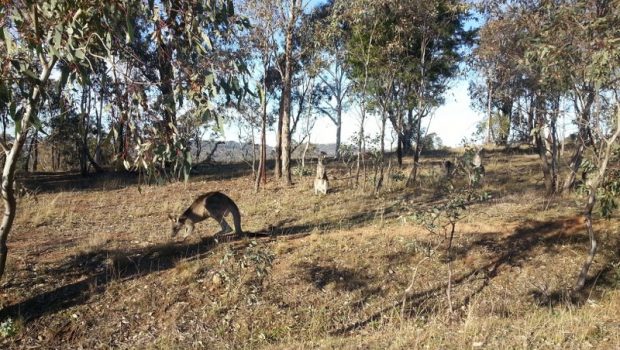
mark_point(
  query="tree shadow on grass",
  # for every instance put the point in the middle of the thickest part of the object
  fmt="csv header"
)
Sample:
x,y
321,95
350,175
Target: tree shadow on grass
x,y
49,182
93,271
511,251
53,182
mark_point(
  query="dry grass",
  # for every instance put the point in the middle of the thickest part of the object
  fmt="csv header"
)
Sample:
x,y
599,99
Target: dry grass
x,y
94,268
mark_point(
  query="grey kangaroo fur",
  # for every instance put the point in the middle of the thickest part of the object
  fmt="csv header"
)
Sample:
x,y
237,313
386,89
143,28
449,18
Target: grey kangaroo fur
x,y
214,205
321,184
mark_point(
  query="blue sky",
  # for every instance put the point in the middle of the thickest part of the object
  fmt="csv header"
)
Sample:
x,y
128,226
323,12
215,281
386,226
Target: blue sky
x,y
453,121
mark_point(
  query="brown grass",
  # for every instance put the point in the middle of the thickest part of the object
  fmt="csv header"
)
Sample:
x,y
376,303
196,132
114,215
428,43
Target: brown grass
x,y
93,267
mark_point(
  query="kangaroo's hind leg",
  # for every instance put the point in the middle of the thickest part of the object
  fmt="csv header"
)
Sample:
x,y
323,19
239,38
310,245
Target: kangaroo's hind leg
x,y
218,215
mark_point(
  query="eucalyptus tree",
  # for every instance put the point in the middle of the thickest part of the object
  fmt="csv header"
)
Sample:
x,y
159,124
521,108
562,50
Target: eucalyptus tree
x,y
579,43
306,77
334,87
291,11
422,43
515,74
74,38
439,37
35,37
570,52
262,49
362,21
182,57
496,59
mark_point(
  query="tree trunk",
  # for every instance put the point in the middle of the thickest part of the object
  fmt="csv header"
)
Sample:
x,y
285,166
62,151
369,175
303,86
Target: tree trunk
x,y
546,169
360,142
413,175
262,158
303,156
489,124
86,153
359,148
28,153
583,274
603,161
338,130
4,122
545,145
8,172
407,132
554,148
166,77
85,121
379,182
254,169
99,116
212,152
399,150
506,115
278,149
35,152
286,95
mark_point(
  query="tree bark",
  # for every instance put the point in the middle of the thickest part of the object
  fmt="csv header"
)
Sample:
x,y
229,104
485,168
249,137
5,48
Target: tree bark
x,y
413,175
286,95
166,78
278,148
35,152
489,124
338,129
379,182
28,154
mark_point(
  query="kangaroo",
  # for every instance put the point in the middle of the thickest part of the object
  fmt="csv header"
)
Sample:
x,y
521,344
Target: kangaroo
x,y
212,204
321,184
476,173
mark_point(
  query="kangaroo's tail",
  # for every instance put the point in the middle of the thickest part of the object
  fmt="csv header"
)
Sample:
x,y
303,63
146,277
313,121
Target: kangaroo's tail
x,y
234,211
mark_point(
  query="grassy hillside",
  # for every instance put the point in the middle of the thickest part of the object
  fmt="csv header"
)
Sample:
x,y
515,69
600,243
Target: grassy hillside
x,y
92,265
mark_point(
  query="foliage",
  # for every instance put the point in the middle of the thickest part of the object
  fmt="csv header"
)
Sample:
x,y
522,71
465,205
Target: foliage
x,y
441,217
609,190
8,328
431,141
249,267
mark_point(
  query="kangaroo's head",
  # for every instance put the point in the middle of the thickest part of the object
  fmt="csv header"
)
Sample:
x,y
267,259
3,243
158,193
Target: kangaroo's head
x,y
177,224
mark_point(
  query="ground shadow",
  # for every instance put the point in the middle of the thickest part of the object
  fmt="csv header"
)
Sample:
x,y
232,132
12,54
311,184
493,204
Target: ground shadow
x,y
511,251
343,279
52,182
48,182
100,268
93,271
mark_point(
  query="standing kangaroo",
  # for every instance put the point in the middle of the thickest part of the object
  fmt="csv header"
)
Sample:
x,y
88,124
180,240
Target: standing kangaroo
x,y
321,184
212,204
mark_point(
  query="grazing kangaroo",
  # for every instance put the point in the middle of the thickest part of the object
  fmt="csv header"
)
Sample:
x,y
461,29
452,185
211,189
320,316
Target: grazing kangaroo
x,y
321,184
212,204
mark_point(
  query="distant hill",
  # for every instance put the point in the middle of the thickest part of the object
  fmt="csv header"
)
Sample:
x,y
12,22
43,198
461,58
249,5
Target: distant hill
x,y
233,151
